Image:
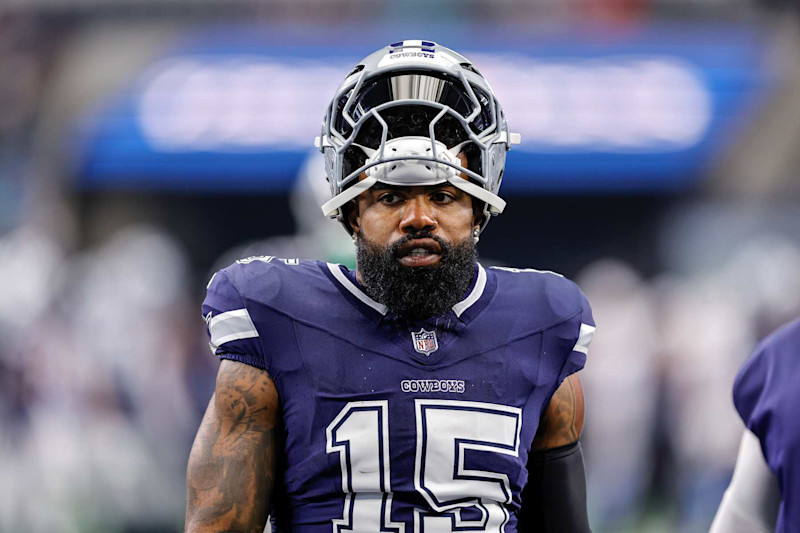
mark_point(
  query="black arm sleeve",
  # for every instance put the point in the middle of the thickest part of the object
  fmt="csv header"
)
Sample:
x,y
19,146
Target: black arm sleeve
x,y
554,500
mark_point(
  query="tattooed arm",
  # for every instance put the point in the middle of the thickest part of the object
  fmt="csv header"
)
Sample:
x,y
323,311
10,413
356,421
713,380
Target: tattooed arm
x,y
554,500
562,423
231,466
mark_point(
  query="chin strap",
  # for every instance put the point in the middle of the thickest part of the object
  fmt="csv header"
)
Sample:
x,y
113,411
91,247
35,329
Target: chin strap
x,y
331,207
496,204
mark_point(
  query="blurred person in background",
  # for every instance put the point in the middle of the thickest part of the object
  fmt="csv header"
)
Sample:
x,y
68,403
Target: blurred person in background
x,y
94,406
421,390
704,329
764,492
619,432
315,236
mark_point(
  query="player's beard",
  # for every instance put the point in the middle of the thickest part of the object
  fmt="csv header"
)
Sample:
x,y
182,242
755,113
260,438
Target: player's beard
x,y
421,292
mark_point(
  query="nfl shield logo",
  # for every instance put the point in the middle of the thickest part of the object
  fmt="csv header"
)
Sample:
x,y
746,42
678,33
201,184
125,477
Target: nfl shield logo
x,y
424,341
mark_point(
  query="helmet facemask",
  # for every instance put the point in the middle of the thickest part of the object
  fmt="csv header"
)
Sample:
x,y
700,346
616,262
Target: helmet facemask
x,y
407,126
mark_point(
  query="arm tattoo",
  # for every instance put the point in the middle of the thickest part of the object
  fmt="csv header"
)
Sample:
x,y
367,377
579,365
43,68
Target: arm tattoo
x,y
232,462
562,422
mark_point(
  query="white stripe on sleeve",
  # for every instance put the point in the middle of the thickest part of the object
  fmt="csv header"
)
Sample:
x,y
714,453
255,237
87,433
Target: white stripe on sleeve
x,y
584,339
230,326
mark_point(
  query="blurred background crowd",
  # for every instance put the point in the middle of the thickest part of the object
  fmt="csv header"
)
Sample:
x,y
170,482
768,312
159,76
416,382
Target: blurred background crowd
x,y
146,143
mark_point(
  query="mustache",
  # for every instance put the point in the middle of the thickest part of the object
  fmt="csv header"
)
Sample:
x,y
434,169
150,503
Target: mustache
x,y
394,248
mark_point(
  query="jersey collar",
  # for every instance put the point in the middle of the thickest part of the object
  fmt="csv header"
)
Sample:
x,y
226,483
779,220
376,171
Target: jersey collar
x,y
474,295
478,289
355,290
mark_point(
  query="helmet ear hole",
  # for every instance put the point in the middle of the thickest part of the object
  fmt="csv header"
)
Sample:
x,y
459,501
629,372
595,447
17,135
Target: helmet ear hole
x,y
471,68
356,70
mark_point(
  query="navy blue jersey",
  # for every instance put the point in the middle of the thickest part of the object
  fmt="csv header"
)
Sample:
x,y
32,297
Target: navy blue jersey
x,y
767,395
391,426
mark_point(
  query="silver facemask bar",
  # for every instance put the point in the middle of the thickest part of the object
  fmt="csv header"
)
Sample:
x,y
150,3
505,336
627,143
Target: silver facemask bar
x,y
487,138
496,204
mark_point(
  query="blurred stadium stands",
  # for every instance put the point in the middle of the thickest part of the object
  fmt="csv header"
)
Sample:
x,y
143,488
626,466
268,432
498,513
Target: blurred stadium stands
x,y
143,144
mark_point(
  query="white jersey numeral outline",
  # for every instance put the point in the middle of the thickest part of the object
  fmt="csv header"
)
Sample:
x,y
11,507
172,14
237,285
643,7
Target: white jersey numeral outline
x,y
446,430
360,434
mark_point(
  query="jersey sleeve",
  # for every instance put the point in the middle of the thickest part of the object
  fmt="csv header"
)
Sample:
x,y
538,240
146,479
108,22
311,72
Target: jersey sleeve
x,y
231,331
766,381
565,344
749,387
580,330
586,329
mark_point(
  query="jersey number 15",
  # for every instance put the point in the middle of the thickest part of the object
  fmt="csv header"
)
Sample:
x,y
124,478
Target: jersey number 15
x,y
446,430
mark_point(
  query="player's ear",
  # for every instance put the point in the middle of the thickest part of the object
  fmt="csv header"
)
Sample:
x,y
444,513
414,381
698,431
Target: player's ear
x,y
477,213
351,216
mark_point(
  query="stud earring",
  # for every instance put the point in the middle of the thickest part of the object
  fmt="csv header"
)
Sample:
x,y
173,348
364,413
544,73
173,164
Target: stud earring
x,y
476,235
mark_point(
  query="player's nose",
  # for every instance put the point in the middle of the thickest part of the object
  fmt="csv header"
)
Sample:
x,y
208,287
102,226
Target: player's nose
x,y
418,215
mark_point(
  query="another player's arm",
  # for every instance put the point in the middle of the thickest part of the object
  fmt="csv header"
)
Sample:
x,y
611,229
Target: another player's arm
x,y
554,500
232,462
753,498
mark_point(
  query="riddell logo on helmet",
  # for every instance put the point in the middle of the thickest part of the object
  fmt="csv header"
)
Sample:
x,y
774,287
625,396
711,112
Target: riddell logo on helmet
x,y
401,55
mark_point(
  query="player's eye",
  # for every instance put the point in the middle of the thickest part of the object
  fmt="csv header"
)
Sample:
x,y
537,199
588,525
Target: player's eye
x,y
442,197
389,198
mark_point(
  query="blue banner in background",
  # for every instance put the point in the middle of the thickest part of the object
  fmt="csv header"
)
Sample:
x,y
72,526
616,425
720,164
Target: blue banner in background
x,y
237,109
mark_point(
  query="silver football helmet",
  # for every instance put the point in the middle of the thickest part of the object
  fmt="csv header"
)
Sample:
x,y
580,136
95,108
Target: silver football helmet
x,y
424,74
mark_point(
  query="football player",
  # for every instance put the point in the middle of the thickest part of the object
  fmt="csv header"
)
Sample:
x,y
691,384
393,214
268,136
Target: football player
x,y
764,493
421,392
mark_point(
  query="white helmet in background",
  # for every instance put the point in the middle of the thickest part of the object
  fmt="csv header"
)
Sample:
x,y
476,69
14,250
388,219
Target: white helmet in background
x,y
408,115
